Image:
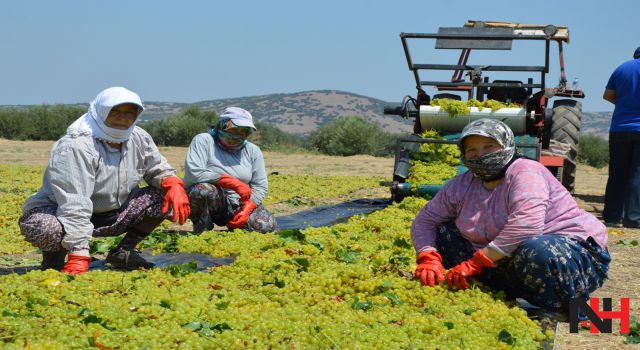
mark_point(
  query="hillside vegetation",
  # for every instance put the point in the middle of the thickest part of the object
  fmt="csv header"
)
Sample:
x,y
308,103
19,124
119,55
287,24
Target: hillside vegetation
x,y
304,112
327,121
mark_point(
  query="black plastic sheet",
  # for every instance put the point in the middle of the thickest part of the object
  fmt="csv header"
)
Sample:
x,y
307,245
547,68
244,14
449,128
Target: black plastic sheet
x,y
330,214
164,260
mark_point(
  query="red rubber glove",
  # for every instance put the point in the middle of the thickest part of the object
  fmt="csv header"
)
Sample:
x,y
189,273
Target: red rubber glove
x,y
458,274
430,270
241,188
242,216
76,264
175,196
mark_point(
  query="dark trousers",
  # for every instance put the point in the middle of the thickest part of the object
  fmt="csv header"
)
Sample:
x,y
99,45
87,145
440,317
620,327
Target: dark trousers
x,y
547,270
622,197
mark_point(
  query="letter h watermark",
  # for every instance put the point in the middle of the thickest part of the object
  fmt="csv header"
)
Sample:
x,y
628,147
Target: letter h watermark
x,y
600,320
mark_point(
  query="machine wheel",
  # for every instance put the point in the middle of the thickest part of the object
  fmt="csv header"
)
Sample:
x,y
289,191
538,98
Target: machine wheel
x,y
566,120
395,196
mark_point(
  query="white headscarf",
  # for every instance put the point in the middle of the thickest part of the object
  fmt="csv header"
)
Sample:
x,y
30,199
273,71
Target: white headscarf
x,y
92,122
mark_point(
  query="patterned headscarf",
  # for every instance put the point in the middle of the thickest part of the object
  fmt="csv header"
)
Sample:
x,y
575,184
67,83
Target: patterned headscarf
x,y
229,141
490,166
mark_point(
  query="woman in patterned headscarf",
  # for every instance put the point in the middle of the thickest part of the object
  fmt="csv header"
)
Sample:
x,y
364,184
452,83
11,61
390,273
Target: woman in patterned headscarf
x,y
509,223
90,188
226,177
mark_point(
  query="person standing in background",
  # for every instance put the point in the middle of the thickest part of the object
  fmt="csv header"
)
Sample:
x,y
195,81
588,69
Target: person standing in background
x,y
622,196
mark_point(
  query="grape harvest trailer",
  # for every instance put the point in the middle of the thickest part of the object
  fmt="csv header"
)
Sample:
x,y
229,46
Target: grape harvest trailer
x,y
549,136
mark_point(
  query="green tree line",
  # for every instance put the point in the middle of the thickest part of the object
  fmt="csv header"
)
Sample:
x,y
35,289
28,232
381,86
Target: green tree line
x,y
342,137
43,122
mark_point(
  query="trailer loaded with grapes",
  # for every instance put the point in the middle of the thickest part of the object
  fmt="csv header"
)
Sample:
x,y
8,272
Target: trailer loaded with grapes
x,y
547,132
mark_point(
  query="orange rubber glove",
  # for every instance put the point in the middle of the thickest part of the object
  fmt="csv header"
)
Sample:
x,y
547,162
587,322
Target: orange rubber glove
x,y
458,274
430,270
76,264
241,188
176,197
242,216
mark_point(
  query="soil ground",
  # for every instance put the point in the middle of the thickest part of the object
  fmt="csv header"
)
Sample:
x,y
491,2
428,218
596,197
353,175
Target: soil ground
x,y
589,193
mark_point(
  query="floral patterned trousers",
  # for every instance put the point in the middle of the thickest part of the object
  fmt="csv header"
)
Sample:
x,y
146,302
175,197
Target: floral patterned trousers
x,y
547,270
212,205
41,227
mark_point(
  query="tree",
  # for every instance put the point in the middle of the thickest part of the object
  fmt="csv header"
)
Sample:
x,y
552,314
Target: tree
x,y
593,150
179,129
352,135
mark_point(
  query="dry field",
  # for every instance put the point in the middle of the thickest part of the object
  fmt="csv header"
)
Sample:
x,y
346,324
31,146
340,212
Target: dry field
x,y
37,153
623,276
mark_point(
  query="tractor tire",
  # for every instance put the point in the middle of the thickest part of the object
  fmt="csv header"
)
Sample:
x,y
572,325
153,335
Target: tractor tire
x,y
566,120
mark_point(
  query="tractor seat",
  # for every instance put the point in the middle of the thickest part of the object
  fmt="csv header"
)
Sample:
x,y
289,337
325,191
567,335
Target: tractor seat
x,y
449,96
508,94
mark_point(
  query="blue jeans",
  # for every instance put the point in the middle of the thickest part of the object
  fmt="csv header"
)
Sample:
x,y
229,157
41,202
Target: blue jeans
x,y
548,270
622,197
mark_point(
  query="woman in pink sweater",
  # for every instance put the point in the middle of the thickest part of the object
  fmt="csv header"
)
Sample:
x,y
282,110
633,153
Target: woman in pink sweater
x,y
509,223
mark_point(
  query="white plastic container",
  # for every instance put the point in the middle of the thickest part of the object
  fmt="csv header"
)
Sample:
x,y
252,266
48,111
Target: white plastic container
x,y
431,117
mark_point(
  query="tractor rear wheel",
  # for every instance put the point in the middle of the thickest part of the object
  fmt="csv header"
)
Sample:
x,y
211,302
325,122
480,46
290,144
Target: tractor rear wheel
x,y
566,120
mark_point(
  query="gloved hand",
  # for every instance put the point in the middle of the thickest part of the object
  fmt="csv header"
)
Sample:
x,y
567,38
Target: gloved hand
x,y
430,270
242,189
242,216
76,264
459,273
175,196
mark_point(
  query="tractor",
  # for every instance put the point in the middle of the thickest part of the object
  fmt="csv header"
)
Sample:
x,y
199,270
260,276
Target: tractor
x,y
548,135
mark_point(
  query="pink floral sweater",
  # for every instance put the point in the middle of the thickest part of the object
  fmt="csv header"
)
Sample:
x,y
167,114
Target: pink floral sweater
x,y
529,201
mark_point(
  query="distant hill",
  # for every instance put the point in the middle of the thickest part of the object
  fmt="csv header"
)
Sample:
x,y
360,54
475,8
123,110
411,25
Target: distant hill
x,y
297,113
304,112
596,123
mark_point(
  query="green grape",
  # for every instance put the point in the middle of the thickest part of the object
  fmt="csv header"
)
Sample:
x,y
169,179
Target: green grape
x,y
452,107
307,189
456,108
434,163
345,286
430,173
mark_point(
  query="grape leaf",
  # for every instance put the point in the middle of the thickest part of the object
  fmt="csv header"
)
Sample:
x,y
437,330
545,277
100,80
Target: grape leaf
x,y
293,235
506,337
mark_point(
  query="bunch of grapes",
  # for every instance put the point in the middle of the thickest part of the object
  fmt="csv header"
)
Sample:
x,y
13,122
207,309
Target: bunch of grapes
x,y
436,152
430,173
434,163
309,188
456,108
496,105
453,107
16,184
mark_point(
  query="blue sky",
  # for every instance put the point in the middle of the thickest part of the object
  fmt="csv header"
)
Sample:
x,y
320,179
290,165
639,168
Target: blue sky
x,y
189,51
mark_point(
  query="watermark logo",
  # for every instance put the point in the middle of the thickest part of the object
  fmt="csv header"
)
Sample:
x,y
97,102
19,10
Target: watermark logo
x,y
601,321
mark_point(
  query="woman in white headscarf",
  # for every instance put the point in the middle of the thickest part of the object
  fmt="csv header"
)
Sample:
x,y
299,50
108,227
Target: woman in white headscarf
x,y
91,188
